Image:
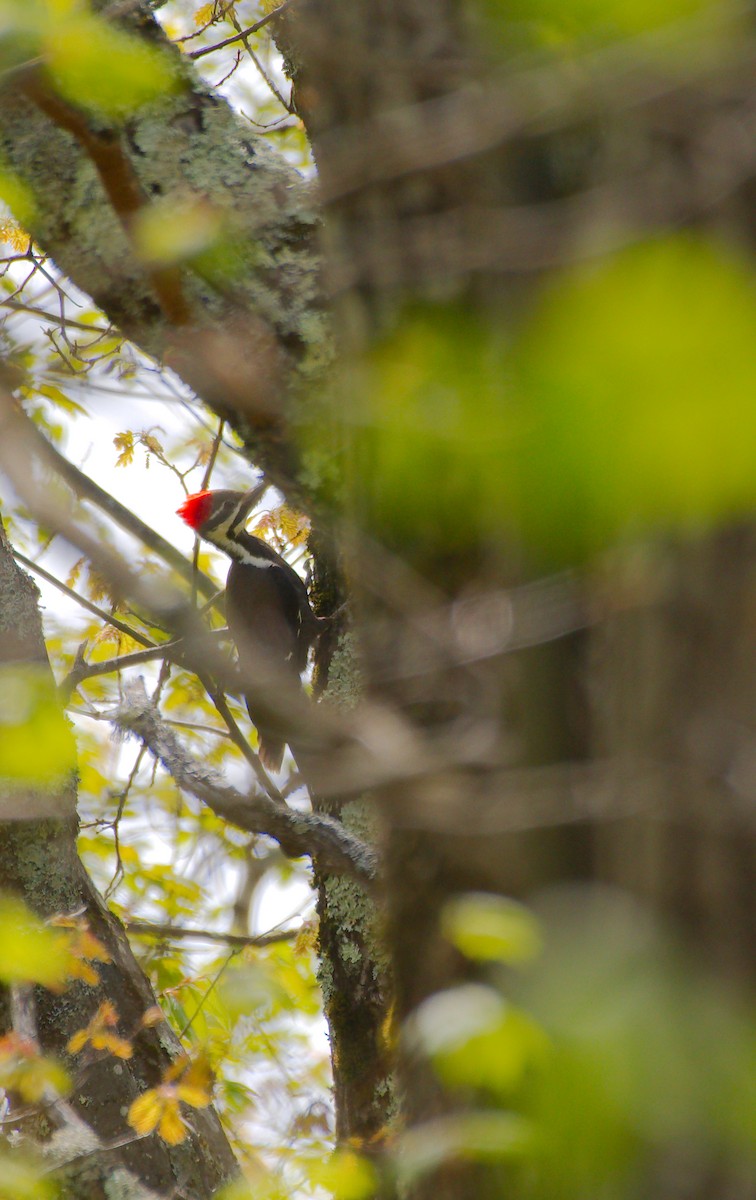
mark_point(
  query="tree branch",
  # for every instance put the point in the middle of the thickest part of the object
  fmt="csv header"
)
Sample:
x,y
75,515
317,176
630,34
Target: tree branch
x,y
179,933
243,33
31,444
151,650
324,839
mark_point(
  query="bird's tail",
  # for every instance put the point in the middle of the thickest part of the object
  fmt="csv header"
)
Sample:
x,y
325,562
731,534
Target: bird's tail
x,y
271,752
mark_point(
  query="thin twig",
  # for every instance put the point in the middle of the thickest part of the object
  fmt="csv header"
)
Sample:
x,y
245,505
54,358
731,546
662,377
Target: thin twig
x,y
115,823
244,33
213,455
211,987
180,933
82,671
205,484
17,306
33,442
241,743
87,604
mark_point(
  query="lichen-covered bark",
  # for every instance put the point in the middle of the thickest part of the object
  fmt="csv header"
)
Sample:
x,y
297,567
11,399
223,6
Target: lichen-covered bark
x,y
250,341
353,972
38,862
248,332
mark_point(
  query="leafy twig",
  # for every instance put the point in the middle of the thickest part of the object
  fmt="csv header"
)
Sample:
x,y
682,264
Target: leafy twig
x,y
243,33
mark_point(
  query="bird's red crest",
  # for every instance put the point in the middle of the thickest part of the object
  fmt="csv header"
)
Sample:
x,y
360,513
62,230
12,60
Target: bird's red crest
x,y
196,509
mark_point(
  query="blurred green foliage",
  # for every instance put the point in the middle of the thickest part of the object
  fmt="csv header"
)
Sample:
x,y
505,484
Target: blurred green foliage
x,y
91,62
490,928
21,1178
621,405
173,231
654,1061
488,1137
30,952
17,196
630,1065
555,23
36,743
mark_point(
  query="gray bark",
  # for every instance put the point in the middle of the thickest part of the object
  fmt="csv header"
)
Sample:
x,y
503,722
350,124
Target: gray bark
x,y
245,337
84,1136
250,343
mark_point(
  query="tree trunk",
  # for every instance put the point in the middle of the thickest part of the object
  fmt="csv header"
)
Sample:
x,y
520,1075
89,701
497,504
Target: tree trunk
x,y
86,1136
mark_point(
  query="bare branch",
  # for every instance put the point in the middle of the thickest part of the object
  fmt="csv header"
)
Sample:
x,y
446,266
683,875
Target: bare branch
x,y
32,443
153,650
179,933
331,847
243,33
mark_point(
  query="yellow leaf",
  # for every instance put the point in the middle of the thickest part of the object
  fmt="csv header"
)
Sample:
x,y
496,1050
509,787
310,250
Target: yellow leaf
x,y
198,1073
172,1128
79,969
91,947
112,1043
58,397
107,1013
73,574
150,441
98,587
196,1097
29,952
36,744
203,15
98,1034
14,236
125,443
78,1041
307,938
294,526
145,1112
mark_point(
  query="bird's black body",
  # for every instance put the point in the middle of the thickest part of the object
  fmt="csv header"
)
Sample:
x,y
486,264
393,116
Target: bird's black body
x,y
267,606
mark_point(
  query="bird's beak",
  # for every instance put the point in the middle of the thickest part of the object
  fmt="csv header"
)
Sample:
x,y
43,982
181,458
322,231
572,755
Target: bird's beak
x,y
249,501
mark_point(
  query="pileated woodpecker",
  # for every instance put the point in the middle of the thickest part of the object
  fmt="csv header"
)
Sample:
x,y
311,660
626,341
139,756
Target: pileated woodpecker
x,y
267,606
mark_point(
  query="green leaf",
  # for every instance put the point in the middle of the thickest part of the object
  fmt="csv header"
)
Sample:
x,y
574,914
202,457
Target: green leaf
x,y
634,382
476,1039
621,407
430,430
172,231
50,392
475,1136
646,1052
22,1179
250,988
18,196
346,1175
99,67
554,22
491,928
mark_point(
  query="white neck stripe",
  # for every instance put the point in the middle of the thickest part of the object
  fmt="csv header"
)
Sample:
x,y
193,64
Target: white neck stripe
x,y
236,551
250,560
